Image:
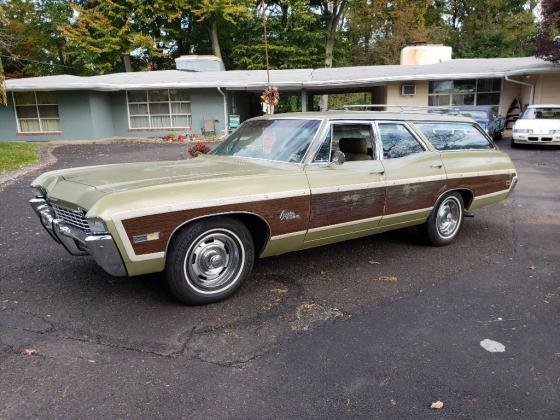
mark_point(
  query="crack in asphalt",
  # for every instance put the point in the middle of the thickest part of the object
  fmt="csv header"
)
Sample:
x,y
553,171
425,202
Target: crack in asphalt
x,y
285,311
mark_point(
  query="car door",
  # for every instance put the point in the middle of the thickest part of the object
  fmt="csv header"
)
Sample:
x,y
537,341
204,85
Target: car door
x,y
471,159
347,200
415,174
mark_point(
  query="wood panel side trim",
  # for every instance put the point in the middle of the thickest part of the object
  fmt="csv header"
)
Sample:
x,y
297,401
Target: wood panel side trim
x,y
315,212
269,210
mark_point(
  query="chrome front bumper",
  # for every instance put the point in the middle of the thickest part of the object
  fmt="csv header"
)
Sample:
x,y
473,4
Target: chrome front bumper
x,y
101,247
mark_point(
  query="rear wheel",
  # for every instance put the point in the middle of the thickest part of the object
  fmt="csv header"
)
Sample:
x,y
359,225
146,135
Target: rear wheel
x,y
209,260
445,221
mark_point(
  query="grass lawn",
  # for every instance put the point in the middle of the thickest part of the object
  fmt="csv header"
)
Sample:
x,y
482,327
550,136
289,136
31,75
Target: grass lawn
x,y
16,155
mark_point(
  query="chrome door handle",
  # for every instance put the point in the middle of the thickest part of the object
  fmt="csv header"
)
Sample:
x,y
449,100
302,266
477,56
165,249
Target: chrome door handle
x,y
437,165
378,172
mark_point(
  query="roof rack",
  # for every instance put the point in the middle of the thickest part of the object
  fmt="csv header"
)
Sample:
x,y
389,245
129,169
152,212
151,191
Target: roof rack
x,y
449,110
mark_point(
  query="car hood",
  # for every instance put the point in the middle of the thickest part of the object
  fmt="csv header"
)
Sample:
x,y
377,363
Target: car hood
x,y
122,177
540,126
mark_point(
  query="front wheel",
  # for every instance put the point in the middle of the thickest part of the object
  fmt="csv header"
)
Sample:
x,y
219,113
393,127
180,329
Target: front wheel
x,y
209,260
445,221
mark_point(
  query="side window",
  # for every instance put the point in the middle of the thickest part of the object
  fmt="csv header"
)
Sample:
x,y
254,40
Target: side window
x,y
354,140
397,141
454,136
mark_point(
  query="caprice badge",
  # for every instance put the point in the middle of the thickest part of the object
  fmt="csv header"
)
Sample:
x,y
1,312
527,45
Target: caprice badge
x,y
288,215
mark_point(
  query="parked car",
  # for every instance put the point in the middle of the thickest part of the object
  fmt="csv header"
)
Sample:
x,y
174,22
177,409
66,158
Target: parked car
x,y
539,124
277,184
485,115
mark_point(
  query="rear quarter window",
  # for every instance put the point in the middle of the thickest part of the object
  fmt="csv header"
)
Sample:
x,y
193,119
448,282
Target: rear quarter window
x,y
454,136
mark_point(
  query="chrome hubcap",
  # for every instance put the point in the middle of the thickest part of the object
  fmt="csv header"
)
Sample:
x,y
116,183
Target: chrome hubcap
x,y
448,217
213,260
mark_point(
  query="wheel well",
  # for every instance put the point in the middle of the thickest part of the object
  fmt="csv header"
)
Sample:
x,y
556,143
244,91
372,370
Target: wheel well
x,y
258,227
466,195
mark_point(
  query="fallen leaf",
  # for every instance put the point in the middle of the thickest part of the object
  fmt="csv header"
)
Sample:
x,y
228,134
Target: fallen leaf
x,y
392,403
557,355
437,405
306,306
279,290
324,273
29,352
387,279
532,267
374,262
492,346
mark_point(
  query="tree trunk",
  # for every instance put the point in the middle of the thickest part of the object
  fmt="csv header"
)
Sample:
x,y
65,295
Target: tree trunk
x,y
3,97
126,63
329,47
334,12
215,41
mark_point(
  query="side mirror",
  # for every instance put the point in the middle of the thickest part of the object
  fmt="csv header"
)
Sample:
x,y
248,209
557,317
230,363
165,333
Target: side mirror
x,y
338,158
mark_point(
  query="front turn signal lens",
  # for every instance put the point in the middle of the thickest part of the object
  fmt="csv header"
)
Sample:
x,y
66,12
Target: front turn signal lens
x,y
39,191
97,225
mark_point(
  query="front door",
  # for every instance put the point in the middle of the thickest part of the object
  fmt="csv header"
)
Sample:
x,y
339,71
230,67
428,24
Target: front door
x,y
415,175
347,200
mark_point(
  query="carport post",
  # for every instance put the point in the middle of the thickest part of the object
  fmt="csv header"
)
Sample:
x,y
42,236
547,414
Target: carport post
x,y
303,100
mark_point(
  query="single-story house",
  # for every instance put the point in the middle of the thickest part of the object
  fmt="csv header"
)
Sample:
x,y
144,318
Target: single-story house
x,y
200,97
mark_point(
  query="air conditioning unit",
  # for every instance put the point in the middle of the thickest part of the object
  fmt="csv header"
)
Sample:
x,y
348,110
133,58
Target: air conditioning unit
x,y
408,89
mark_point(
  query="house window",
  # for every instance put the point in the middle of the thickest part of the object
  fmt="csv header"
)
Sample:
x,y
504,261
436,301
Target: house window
x,y
464,92
36,112
159,109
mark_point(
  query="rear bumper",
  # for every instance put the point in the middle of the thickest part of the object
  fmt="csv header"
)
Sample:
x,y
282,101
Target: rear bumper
x,y
101,247
513,184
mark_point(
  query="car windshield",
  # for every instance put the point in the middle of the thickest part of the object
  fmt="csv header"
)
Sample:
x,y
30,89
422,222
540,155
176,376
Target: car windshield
x,y
544,113
284,140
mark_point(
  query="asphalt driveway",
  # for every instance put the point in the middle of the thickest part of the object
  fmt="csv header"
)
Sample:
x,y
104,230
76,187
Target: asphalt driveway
x,y
376,327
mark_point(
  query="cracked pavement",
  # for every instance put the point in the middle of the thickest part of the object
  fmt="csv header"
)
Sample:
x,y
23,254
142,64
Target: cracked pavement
x,y
376,327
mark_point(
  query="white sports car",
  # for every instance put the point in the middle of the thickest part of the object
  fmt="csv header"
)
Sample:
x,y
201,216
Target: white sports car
x,y
539,124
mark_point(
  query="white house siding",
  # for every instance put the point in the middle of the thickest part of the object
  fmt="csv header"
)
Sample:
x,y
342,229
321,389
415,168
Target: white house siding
x,y
394,96
547,90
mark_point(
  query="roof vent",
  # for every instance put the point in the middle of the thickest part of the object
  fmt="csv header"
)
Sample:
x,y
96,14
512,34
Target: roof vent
x,y
199,63
419,53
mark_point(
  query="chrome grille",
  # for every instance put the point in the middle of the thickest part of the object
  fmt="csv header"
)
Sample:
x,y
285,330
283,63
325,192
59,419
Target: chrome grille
x,y
74,218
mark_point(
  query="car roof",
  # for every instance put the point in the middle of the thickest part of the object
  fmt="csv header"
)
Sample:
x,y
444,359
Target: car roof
x,y
473,107
370,115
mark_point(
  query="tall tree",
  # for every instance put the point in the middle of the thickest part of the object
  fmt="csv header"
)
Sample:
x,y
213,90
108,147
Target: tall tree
x,y
31,27
378,30
495,28
4,46
215,13
105,31
295,38
548,40
332,12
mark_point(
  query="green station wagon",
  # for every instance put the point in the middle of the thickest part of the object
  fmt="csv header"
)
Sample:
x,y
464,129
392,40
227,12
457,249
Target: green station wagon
x,y
277,184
